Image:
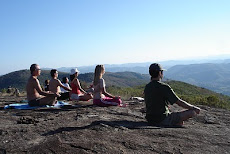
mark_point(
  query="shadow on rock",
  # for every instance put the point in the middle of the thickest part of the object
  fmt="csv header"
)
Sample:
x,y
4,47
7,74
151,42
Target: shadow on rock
x,y
123,124
2,151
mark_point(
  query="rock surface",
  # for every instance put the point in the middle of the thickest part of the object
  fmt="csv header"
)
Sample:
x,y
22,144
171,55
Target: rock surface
x,y
90,129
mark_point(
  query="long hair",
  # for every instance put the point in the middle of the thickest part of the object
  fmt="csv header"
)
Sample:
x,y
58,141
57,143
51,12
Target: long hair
x,y
72,76
99,70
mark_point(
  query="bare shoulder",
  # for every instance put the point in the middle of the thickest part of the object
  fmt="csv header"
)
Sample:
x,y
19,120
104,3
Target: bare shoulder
x,y
55,82
58,81
33,80
52,81
75,80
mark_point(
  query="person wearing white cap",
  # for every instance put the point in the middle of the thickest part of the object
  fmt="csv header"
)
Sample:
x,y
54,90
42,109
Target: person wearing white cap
x,y
77,93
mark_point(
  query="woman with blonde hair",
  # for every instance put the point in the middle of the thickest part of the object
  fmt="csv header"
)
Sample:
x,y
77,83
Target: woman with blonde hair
x,y
77,92
100,96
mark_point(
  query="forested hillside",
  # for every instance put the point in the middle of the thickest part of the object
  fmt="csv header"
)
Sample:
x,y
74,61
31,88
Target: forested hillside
x,y
18,79
215,77
188,92
125,84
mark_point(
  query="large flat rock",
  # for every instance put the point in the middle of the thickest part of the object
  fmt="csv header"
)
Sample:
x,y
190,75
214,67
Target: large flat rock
x,y
91,129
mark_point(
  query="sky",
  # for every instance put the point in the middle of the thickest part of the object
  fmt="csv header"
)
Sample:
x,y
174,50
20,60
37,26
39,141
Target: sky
x,y
67,33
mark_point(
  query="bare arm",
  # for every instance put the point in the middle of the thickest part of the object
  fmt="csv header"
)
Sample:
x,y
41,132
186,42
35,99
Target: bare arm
x,y
103,90
79,85
40,91
186,105
106,93
64,87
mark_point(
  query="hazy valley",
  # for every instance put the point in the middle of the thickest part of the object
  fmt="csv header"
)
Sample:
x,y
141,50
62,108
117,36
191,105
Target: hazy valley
x,y
212,73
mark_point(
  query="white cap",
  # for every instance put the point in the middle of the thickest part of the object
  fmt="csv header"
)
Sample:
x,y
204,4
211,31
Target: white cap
x,y
74,70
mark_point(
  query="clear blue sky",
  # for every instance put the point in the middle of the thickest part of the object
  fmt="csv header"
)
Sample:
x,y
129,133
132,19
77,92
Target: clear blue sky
x,y
64,33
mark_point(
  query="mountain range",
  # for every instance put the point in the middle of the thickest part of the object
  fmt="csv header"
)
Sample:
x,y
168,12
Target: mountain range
x,y
212,73
143,67
212,76
18,79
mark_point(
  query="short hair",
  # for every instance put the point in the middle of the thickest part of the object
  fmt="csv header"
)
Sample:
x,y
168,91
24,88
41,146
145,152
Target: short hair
x,y
33,68
47,82
52,72
154,70
64,79
153,73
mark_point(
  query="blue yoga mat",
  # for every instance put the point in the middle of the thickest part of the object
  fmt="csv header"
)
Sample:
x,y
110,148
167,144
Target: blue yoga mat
x,y
25,106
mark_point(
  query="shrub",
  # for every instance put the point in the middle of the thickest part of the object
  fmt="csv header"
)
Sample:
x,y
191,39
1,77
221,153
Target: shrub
x,y
4,90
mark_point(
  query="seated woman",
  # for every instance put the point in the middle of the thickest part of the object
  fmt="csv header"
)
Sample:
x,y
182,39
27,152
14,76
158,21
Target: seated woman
x,y
100,96
77,92
64,93
65,82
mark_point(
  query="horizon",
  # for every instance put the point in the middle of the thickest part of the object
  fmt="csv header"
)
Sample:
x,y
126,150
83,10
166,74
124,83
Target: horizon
x,y
58,34
199,60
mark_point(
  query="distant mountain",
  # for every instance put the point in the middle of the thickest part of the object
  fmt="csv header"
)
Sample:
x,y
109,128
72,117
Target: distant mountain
x,y
130,67
18,79
143,67
215,77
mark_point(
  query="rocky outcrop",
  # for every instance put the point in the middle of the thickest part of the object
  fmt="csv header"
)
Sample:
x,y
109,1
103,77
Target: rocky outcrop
x,y
91,129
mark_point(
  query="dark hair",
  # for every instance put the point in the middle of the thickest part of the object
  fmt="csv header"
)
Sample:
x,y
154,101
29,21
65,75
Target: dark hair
x,y
64,79
47,82
52,72
154,73
72,76
33,68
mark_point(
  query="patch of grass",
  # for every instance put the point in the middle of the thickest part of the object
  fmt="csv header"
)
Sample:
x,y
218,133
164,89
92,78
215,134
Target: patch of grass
x,y
192,94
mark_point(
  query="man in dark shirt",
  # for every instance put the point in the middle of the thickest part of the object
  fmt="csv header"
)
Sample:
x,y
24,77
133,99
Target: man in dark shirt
x,y
159,95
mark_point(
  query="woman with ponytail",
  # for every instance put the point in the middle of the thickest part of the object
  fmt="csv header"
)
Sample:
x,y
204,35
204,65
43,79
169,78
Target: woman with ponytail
x,y
100,96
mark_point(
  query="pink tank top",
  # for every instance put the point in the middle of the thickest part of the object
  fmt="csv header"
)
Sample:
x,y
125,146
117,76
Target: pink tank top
x,y
75,89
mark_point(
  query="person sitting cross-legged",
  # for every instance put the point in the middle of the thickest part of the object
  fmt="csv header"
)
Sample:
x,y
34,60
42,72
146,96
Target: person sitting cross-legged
x,y
78,93
65,93
55,84
100,96
158,96
35,95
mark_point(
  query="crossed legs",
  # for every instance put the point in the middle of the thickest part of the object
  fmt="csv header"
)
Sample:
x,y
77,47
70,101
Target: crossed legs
x,y
184,115
48,100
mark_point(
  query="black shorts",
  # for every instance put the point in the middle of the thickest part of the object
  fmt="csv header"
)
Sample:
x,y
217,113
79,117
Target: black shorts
x,y
63,96
34,102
